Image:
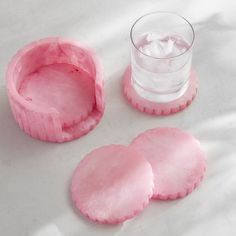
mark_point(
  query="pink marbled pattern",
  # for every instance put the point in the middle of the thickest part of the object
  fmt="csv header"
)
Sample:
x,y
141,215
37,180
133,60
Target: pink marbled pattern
x,y
112,184
177,160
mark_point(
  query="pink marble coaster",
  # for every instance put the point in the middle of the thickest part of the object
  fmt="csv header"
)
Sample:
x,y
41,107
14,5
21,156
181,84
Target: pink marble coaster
x,y
154,108
55,89
177,161
112,184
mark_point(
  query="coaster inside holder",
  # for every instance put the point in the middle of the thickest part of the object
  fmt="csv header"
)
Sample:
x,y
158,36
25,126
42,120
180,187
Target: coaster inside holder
x,y
154,108
55,89
112,184
177,160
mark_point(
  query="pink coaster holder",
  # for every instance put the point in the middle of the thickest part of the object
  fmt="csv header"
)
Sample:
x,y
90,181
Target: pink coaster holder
x,y
45,124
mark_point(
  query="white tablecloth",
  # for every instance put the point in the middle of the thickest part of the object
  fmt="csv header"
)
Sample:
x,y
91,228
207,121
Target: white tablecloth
x,y
35,176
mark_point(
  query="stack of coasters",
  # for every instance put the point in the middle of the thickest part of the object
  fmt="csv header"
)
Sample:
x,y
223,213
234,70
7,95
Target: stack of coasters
x,y
114,183
55,89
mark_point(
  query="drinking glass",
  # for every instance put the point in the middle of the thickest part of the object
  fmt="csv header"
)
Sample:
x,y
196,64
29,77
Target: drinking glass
x,y
161,56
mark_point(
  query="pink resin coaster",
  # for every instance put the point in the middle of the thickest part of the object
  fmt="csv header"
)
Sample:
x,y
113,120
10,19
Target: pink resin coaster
x,y
154,108
55,89
177,160
112,184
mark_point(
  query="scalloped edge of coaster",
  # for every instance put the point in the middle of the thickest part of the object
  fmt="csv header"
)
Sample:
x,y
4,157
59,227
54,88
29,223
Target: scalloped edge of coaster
x,y
109,222
180,194
154,108
87,158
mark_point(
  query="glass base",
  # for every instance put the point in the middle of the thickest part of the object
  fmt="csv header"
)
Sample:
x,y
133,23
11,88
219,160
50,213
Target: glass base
x,y
157,97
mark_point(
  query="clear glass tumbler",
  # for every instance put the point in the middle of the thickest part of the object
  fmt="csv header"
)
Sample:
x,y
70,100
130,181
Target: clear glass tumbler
x,y
161,56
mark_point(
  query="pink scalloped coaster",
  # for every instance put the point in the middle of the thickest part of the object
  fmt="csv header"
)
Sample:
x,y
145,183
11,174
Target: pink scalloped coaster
x,y
112,184
55,89
154,108
177,160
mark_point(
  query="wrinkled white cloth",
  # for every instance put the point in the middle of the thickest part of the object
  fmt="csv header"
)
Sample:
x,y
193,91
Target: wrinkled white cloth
x,y
34,176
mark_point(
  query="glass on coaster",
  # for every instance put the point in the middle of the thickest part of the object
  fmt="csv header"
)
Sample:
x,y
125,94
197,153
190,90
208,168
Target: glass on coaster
x,y
160,79
55,89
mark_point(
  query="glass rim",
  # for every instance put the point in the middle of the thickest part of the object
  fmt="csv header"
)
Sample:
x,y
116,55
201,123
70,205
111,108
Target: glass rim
x,y
162,12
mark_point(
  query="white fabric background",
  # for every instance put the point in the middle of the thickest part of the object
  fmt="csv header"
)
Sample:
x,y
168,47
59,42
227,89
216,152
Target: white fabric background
x,y
35,176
